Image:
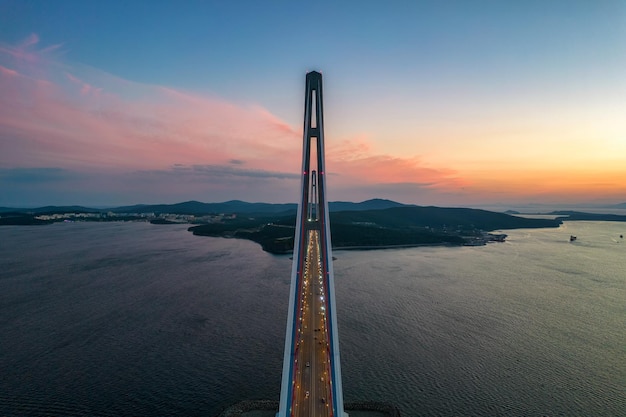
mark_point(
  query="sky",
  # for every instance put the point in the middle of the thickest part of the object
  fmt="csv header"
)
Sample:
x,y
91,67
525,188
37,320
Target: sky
x,y
448,103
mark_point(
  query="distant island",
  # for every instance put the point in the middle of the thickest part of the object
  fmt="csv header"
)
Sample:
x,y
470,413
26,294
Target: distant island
x,y
577,215
371,224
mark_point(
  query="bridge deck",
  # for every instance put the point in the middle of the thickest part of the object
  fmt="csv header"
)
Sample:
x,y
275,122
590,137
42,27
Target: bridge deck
x,y
312,388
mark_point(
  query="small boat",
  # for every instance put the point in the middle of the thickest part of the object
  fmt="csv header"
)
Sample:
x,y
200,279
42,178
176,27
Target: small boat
x,y
572,238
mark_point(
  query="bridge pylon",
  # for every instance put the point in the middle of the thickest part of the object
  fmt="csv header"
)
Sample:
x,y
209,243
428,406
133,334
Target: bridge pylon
x,y
311,379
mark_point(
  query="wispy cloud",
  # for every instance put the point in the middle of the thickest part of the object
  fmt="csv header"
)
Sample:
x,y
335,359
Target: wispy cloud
x,y
8,72
83,120
83,123
356,161
27,51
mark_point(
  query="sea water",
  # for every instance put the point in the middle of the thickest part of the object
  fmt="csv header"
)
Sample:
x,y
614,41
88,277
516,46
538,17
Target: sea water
x,y
107,319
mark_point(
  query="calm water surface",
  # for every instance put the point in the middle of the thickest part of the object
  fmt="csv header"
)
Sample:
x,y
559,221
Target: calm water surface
x,y
138,319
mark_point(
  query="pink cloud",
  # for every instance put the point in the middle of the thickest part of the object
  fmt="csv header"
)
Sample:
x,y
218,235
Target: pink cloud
x,y
356,162
124,125
85,88
8,71
53,114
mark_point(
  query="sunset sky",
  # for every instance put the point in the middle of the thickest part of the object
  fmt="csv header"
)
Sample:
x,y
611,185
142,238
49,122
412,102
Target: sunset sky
x,y
449,103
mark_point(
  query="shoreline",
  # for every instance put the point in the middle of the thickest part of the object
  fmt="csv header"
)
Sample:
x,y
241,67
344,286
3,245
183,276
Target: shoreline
x,y
400,246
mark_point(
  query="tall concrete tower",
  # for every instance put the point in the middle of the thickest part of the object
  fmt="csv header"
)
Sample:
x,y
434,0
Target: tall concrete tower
x,y
311,381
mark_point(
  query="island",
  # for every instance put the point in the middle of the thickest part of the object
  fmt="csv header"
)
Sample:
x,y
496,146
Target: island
x,y
403,226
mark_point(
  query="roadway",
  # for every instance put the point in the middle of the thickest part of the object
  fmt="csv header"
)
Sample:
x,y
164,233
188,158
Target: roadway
x,y
312,389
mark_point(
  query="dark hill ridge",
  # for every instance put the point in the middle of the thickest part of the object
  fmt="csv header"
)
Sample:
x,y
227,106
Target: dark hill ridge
x,y
196,207
440,218
374,204
199,208
261,209
241,207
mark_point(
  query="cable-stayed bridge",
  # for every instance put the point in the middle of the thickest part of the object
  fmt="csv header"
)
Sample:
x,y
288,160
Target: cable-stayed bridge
x,y
311,381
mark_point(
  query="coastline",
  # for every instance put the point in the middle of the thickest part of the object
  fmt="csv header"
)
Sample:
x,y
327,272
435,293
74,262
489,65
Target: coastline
x,y
400,246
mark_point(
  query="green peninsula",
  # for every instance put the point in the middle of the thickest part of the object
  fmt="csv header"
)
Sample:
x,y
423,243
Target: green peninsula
x,y
376,229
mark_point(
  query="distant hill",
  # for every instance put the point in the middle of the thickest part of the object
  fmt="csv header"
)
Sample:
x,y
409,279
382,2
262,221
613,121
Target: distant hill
x,y
365,211
196,207
577,215
374,204
240,207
